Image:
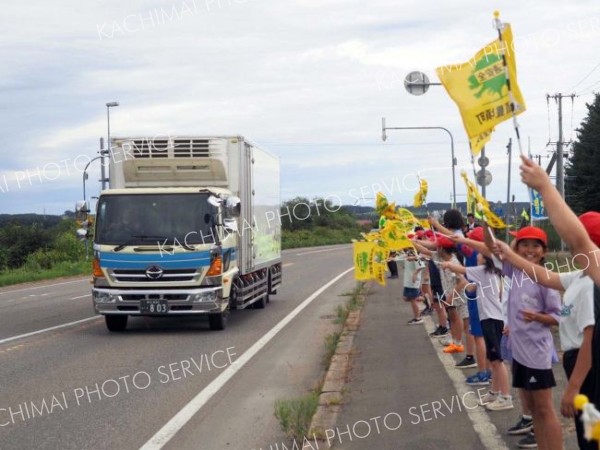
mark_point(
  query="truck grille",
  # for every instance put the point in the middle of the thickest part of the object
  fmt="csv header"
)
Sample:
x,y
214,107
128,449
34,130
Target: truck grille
x,y
139,275
138,297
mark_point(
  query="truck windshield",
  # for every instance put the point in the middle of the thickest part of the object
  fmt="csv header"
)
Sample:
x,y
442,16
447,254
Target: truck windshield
x,y
136,219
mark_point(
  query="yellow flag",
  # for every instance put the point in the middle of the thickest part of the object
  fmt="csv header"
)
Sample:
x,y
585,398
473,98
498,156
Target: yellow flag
x,y
363,260
478,142
421,196
479,89
481,205
380,256
394,236
380,203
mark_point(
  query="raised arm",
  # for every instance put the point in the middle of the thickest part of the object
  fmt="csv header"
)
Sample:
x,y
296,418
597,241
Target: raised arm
x,y
536,272
456,268
475,245
565,222
438,226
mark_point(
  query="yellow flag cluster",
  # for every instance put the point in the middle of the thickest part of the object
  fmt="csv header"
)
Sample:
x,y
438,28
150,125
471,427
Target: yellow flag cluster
x,y
480,205
480,90
370,255
421,196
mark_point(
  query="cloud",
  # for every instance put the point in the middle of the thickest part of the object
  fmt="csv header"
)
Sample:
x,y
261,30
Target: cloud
x,y
309,79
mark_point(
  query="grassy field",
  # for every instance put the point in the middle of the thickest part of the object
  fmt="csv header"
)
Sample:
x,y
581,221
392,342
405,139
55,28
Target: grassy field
x,y
62,269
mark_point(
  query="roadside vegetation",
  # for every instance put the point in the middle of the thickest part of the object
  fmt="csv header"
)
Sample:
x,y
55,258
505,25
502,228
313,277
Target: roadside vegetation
x,y
295,414
40,250
309,223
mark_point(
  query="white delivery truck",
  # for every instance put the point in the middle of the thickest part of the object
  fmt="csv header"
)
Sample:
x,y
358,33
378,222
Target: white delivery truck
x,y
189,226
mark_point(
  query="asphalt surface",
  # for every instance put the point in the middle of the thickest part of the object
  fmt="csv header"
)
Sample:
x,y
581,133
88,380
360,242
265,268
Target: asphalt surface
x,y
81,387
398,370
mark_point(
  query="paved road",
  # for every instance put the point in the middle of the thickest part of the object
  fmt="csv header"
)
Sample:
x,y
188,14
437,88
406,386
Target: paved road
x,y
81,387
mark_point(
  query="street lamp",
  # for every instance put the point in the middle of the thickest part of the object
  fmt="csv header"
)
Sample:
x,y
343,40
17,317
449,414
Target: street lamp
x,y
85,177
384,137
109,150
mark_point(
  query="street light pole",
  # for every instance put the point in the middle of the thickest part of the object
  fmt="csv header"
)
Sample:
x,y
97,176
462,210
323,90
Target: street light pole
x,y
384,137
109,150
85,177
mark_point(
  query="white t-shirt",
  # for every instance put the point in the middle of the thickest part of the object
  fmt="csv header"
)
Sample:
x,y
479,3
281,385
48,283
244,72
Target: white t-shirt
x,y
577,311
488,292
410,267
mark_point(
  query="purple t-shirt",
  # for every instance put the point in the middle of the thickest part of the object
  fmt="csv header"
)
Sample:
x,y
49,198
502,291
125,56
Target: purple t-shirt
x,y
531,342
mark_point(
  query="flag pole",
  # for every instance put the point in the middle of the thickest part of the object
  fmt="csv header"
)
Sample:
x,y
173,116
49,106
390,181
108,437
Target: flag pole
x,y
500,26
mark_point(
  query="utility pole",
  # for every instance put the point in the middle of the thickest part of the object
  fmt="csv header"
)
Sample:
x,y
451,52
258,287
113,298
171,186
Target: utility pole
x,y
560,164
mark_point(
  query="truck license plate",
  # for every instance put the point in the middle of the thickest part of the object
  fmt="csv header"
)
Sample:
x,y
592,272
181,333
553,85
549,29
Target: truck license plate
x,y
154,307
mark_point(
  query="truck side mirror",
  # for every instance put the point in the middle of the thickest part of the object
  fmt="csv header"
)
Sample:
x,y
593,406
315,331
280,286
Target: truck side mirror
x,y
234,206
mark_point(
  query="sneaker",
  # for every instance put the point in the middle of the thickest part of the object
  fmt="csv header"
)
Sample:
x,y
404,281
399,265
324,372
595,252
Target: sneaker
x,y
528,442
466,363
446,341
500,404
489,397
479,379
523,426
415,321
435,333
439,332
426,312
454,348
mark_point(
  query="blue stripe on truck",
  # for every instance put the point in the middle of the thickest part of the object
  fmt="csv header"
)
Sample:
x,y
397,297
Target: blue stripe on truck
x,y
111,260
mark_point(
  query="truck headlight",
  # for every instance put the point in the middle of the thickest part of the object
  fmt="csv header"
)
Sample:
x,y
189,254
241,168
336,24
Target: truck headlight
x,y
209,296
104,297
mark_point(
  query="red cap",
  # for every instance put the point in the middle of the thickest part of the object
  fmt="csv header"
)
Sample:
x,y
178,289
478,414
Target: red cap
x,y
420,234
591,222
429,234
443,241
531,233
476,234
410,235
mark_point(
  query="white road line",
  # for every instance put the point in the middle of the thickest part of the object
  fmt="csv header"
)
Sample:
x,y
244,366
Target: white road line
x,y
44,286
321,251
287,264
81,296
57,327
483,426
166,433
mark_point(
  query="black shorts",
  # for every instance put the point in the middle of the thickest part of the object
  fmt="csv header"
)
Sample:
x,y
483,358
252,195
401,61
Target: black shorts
x,y
531,379
492,334
438,292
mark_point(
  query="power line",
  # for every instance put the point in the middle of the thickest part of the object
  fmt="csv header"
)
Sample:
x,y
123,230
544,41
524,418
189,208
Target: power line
x,y
585,78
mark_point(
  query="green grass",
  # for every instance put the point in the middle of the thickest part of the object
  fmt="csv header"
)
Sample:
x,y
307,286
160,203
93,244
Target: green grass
x,y
295,414
62,269
353,303
318,236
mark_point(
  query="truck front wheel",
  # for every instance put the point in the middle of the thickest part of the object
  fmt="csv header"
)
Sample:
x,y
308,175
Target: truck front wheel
x,y
218,321
116,322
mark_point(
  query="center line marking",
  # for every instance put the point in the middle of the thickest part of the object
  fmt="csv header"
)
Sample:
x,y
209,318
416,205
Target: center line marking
x,y
166,433
81,296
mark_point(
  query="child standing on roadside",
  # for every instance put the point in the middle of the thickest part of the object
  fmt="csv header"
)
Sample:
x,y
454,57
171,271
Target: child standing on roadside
x,y
412,285
532,310
485,282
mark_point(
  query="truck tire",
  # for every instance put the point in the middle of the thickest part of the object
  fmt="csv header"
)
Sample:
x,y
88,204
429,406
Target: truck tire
x,y
116,322
217,322
260,304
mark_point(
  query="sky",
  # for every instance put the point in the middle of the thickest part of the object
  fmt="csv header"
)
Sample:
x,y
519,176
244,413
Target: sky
x,y
309,80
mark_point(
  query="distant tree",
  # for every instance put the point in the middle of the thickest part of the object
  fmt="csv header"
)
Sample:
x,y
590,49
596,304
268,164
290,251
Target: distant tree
x,y
583,181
